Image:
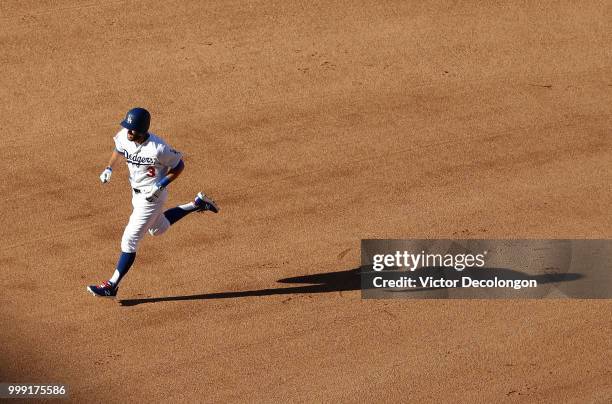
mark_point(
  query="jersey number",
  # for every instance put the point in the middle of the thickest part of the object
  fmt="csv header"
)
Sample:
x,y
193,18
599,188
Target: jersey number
x,y
151,172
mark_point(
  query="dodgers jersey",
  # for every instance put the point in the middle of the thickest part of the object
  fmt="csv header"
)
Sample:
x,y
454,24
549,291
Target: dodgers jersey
x,y
149,162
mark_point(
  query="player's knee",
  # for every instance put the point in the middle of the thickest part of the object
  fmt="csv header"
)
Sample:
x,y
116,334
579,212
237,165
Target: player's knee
x,y
155,231
128,244
160,226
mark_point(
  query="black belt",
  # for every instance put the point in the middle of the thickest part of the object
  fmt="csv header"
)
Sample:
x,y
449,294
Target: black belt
x,y
136,190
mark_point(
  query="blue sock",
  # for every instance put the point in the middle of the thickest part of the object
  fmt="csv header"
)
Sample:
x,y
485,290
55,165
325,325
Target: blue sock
x,y
123,266
175,214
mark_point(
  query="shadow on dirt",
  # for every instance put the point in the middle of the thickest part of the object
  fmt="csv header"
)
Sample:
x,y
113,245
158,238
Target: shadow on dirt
x,y
318,283
351,280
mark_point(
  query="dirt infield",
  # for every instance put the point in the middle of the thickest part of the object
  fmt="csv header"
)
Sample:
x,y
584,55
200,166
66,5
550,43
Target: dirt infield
x,y
313,125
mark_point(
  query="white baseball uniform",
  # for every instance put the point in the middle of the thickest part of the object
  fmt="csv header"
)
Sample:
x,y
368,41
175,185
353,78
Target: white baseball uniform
x,y
147,163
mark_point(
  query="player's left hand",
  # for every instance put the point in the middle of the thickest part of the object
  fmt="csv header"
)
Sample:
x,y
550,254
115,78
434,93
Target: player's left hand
x,y
154,193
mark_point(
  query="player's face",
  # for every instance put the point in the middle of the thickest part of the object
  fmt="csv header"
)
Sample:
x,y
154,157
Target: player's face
x,y
134,136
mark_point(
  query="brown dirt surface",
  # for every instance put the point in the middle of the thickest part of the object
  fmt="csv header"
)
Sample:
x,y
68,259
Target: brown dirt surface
x,y
314,125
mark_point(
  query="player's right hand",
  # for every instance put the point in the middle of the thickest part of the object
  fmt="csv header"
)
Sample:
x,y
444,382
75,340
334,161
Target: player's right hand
x,y
106,175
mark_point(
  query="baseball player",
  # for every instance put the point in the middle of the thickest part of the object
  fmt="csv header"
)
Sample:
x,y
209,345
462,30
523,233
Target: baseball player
x,y
152,165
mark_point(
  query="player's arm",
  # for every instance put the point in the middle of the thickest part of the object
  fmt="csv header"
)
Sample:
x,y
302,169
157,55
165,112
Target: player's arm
x,y
173,174
114,158
108,171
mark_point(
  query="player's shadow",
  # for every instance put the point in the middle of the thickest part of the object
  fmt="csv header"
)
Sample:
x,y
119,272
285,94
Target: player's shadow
x,y
350,280
317,283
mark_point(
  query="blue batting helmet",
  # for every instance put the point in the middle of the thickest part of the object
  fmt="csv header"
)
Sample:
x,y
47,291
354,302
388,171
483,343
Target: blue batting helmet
x,y
137,119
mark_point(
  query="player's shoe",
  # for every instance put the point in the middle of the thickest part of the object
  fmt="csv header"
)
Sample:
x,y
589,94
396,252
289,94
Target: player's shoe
x,y
204,203
105,289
